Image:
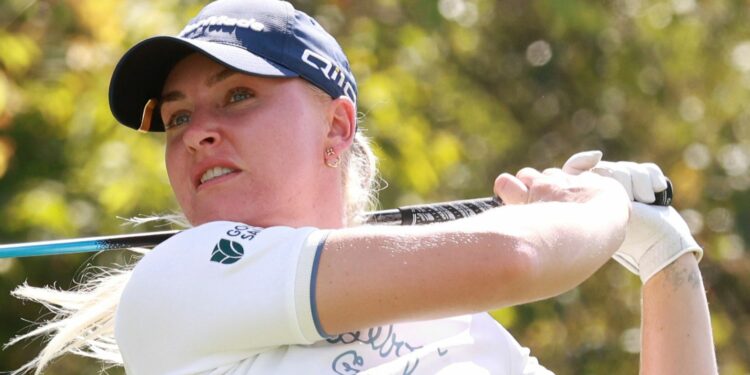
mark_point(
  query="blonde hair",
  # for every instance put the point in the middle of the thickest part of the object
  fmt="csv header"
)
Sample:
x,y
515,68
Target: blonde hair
x,y
84,318
83,321
360,179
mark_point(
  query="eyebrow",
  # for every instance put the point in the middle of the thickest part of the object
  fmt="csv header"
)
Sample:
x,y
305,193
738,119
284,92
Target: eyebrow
x,y
171,97
211,81
220,76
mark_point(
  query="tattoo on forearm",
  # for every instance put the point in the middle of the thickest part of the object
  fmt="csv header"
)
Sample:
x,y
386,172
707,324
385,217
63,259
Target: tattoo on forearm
x,y
694,278
681,275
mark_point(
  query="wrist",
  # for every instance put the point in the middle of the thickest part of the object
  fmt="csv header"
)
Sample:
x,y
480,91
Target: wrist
x,y
656,237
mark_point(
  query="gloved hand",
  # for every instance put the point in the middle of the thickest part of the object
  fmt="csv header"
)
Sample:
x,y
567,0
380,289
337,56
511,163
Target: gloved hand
x,y
655,237
640,180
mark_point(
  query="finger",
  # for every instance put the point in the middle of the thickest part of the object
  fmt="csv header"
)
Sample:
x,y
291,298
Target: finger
x,y
617,172
658,180
604,169
582,161
510,189
640,179
623,177
553,172
528,175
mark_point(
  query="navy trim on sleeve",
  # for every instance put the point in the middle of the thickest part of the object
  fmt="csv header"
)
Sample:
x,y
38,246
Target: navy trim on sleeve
x,y
313,282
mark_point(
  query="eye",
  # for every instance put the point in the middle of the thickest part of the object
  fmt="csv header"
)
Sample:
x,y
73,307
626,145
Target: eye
x,y
238,95
177,119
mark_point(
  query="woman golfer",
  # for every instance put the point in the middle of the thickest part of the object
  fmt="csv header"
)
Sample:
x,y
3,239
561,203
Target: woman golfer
x,y
258,107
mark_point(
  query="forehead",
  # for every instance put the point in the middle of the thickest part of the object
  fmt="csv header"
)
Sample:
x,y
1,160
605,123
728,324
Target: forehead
x,y
198,72
195,66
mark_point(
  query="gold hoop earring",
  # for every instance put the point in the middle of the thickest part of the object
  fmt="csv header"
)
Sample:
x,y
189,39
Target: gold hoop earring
x,y
331,159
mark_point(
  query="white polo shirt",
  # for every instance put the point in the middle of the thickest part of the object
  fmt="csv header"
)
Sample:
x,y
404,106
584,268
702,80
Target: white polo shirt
x,y
227,298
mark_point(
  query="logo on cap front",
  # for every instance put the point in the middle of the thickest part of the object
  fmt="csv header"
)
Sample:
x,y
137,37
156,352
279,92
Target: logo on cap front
x,y
244,23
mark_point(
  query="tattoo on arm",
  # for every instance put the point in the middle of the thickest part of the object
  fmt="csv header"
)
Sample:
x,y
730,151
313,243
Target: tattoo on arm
x,y
679,275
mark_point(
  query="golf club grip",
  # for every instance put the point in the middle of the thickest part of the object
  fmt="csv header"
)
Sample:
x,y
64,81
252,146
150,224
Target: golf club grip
x,y
454,210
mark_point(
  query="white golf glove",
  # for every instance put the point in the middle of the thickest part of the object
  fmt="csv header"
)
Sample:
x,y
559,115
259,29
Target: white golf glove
x,y
656,236
640,180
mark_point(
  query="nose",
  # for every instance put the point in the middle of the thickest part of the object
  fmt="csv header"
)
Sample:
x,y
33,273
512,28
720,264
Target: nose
x,y
202,133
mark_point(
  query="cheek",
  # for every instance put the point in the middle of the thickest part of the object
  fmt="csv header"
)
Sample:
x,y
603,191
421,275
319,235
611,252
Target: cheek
x,y
176,171
304,138
286,142
297,152
170,162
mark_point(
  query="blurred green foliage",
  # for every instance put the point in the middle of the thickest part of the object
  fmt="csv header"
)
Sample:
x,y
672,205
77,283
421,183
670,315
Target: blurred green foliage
x,y
454,92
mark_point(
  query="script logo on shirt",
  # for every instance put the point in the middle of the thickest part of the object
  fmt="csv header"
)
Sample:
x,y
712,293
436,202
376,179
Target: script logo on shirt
x,y
379,341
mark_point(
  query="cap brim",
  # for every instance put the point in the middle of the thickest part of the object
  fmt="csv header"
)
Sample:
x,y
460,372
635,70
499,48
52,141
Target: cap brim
x,y
141,73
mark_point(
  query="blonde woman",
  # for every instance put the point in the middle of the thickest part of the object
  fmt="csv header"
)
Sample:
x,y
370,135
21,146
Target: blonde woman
x,y
258,107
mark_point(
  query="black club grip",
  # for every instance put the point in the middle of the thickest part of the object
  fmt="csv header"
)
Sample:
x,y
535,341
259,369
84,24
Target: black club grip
x,y
447,211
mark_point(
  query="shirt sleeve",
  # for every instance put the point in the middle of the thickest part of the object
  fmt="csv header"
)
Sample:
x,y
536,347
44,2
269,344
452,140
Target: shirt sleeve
x,y
217,292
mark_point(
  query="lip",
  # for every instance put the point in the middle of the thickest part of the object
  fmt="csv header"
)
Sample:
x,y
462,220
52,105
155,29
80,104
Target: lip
x,y
217,180
204,166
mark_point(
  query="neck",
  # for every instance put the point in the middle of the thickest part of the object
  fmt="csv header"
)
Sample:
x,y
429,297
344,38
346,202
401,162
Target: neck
x,y
328,208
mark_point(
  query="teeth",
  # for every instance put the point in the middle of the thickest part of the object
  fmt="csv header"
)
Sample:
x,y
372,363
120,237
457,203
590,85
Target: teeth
x,y
215,172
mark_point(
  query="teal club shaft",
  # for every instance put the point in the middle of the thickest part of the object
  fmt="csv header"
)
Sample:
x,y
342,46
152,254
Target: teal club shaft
x,y
83,245
411,215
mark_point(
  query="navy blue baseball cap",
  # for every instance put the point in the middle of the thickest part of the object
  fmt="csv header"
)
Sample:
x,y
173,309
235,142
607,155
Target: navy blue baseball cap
x,y
261,37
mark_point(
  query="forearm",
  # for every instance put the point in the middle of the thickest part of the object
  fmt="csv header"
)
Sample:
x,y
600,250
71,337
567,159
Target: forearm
x,y
510,255
676,336
566,241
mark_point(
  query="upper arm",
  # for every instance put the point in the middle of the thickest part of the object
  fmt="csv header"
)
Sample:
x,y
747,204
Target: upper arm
x,y
219,290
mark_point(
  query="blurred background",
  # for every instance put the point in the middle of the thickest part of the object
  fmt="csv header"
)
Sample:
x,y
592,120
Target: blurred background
x,y
453,92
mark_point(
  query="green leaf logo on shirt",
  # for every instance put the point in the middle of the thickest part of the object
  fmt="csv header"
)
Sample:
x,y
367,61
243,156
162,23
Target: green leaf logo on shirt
x,y
227,252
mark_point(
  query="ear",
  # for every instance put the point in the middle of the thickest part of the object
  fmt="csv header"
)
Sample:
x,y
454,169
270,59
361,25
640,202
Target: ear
x,y
342,120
